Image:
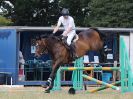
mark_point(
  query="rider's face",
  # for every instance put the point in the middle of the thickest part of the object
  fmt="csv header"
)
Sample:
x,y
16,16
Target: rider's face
x,y
66,16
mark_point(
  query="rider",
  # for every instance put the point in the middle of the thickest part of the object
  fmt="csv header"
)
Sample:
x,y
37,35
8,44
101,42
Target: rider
x,y
69,28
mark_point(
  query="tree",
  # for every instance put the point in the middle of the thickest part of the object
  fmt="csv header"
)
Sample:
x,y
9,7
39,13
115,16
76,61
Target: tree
x,y
110,13
78,9
95,13
5,11
46,12
4,21
34,12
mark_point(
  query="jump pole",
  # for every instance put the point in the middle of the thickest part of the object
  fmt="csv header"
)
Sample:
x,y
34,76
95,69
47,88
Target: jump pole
x,y
101,82
90,68
57,82
103,87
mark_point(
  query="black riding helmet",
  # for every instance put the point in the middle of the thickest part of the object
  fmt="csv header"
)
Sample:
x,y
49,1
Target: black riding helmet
x,y
65,12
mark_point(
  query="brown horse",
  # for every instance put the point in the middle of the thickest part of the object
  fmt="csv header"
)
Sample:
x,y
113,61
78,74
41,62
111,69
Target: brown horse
x,y
90,39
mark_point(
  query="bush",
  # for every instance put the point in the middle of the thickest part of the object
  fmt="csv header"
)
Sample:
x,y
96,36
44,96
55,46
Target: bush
x,y
5,22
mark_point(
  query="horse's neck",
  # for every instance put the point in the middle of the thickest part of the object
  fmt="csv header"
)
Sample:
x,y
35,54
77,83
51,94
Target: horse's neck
x,y
51,43
56,48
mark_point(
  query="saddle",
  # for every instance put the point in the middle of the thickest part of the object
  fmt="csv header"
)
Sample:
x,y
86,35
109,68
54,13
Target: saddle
x,y
71,48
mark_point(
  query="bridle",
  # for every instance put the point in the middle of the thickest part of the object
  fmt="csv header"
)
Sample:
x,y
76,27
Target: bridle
x,y
43,50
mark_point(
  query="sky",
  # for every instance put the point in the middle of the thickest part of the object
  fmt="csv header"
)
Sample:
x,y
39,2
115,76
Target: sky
x,y
7,2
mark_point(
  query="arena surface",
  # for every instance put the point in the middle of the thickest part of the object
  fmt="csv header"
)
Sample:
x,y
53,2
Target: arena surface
x,y
38,93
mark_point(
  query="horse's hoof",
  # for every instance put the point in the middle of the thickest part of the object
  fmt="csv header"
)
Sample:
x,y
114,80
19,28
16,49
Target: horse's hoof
x,y
71,91
47,91
44,86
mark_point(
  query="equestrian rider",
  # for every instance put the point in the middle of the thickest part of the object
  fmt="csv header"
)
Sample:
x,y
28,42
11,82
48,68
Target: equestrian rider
x,y
69,28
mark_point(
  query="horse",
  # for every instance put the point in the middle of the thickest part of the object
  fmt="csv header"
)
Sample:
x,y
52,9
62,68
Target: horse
x,y
88,40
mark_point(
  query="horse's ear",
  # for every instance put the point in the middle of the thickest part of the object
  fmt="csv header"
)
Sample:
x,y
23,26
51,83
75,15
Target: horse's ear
x,y
44,36
38,38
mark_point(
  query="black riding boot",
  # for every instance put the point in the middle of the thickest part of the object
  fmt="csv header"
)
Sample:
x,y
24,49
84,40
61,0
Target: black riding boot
x,y
71,48
72,51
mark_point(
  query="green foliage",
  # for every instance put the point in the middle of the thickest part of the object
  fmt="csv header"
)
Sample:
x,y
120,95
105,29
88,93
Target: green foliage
x,y
95,13
78,9
35,12
4,21
110,13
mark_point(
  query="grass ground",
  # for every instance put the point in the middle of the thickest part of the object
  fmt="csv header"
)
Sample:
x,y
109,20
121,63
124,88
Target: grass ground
x,y
38,93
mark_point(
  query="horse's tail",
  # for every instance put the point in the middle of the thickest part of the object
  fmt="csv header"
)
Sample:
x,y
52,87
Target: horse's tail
x,y
102,36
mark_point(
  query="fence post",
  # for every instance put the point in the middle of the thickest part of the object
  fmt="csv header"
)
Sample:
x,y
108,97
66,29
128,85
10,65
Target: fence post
x,y
126,69
57,81
77,75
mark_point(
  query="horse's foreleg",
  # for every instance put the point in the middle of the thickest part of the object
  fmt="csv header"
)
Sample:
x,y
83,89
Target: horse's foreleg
x,y
50,81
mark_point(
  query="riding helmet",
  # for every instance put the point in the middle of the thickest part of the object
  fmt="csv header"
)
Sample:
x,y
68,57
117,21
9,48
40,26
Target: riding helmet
x,y
65,12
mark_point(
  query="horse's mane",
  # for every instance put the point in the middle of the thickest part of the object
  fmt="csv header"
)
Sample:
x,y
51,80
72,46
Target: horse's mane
x,y
56,38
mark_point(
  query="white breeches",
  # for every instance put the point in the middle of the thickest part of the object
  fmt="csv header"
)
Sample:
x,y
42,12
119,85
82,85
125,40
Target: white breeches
x,y
70,36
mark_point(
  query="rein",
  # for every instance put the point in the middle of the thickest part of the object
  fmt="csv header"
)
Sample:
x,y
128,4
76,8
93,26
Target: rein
x,y
44,50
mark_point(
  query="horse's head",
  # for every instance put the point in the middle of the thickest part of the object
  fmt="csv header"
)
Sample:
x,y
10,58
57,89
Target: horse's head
x,y
41,46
